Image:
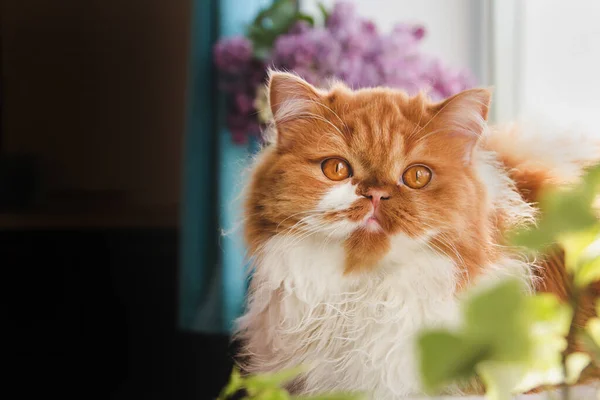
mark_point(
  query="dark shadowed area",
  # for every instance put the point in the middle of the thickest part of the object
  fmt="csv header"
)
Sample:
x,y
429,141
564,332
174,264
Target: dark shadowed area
x,y
93,98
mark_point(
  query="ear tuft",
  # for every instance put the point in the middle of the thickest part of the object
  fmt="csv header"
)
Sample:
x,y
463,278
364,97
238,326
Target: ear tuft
x,y
471,103
464,116
289,94
293,102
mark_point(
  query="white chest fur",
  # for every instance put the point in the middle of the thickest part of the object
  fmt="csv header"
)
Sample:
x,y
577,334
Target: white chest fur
x,y
354,332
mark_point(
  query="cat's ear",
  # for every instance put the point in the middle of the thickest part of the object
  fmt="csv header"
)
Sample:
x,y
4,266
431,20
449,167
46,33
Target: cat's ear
x,y
463,117
291,98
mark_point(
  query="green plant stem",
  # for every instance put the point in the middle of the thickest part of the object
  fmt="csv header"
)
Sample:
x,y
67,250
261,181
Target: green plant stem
x,y
574,301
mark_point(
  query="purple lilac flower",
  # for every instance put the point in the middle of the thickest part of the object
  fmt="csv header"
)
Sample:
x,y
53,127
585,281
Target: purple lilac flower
x,y
445,82
313,54
349,48
300,27
240,75
233,55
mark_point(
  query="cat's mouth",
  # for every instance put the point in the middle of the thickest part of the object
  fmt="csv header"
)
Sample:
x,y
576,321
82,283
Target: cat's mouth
x,y
371,223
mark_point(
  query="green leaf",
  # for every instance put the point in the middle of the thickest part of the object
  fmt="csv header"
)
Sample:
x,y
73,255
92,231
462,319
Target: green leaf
x,y
506,331
593,329
575,245
588,260
588,272
234,384
575,363
500,378
591,181
305,17
568,210
324,11
272,394
273,380
446,357
564,211
270,23
333,396
549,314
550,323
496,317
261,52
590,345
532,239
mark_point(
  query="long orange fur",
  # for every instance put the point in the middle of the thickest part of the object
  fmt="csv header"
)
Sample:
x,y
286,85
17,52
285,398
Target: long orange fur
x,y
373,129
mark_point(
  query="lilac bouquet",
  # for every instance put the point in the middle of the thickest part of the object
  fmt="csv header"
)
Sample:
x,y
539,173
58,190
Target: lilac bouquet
x,y
347,47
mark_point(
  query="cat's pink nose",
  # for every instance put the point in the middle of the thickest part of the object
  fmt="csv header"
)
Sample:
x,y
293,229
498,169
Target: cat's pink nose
x,y
376,195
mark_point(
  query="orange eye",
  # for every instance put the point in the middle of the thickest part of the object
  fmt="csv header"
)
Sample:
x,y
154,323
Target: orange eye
x,y
417,176
336,169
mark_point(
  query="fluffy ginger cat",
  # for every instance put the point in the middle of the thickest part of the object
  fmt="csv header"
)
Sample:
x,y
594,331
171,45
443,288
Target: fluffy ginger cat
x,y
369,213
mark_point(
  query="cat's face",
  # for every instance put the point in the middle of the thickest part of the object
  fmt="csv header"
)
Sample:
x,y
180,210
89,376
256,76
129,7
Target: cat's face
x,y
367,166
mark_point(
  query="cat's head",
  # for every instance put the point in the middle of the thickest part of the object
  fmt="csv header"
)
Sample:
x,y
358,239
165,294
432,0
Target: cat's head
x,y
364,167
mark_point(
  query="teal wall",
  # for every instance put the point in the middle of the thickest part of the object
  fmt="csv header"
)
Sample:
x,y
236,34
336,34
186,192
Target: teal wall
x,y
212,271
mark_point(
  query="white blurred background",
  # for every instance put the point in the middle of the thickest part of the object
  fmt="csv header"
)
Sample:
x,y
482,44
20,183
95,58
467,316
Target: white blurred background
x,y
541,56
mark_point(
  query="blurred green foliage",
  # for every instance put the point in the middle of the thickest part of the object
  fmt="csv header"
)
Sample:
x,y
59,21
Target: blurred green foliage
x,y
566,218
515,342
273,21
270,387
